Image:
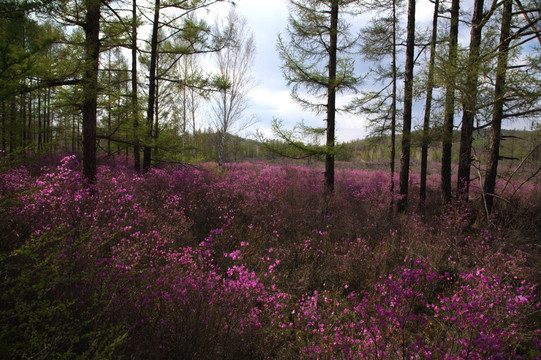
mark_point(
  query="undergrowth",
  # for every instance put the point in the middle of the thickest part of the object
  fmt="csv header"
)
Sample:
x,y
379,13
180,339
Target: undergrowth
x,y
251,263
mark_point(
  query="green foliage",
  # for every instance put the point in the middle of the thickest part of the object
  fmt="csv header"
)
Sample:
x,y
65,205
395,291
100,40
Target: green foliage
x,y
23,47
293,144
302,142
45,313
305,55
378,44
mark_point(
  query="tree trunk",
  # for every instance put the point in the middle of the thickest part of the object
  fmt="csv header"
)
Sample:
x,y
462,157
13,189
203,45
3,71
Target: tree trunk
x,y
90,87
40,130
28,120
48,120
223,129
134,98
30,133
109,105
470,101
428,106
449,112
152,84
194,151
22,106
489,186
3,125
156,132
408,99
393,105
73,137
221,149
184,97
331,101
12,124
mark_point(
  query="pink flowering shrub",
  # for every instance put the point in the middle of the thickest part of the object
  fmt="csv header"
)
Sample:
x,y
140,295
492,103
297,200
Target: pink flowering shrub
x,y
252,263
380,323
402,318
482,316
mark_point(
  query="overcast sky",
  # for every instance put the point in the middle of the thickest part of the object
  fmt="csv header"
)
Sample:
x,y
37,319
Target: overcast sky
x,y
271,98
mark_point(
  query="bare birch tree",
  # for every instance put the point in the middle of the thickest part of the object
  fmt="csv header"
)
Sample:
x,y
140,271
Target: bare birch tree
x,y
234,81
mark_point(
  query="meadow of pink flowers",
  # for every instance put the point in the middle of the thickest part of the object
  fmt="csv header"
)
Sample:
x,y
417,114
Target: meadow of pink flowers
x,y
252,263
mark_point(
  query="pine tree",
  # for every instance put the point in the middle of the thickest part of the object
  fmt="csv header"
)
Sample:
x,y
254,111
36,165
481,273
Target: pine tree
x,y
313,59
449,112
91,27
473,64
428,105
517,87
380,40
408,104
134,89
172,19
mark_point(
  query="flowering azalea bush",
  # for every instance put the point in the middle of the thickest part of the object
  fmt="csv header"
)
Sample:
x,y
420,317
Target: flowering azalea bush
x,y
251,262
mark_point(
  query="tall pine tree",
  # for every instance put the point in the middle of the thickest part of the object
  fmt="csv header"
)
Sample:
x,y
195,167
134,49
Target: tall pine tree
x,y
313,59
408,105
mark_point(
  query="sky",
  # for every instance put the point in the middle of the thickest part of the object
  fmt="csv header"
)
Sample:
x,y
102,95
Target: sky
x,y
271,98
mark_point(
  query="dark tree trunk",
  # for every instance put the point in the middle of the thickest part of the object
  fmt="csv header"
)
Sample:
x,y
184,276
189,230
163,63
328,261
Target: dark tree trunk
x,y
428,106
470,101
449,112
109,105
134,99
489,186
30,133
156,132
393,105
90,87
4,125
12,124
40,130
408,99
73,137
28,121
152,84
184,118
331,101
192,99
25,131
48,120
